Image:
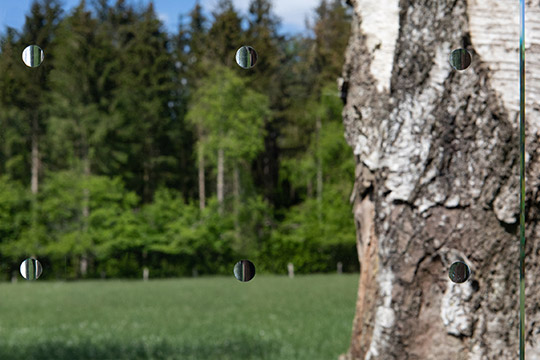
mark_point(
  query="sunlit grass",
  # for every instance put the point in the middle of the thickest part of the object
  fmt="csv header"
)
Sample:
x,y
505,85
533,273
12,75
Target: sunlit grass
x,y
271,317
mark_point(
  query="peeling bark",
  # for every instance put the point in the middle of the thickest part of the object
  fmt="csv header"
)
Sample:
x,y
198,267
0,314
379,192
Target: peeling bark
x,y
437,178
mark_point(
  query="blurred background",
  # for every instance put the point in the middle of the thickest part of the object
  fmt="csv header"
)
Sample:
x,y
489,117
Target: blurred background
x,y
140,149
140,145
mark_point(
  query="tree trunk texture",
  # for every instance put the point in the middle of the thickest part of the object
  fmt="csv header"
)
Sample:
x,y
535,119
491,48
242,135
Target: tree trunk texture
x,y
437,171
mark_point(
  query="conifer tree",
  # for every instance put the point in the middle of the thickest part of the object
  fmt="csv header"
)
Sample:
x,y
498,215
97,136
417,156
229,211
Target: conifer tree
x,y
331,34
197,60
225,35
39,30
23,97
267,77
79,106
142,98
14,127
263,37
24,90
194,66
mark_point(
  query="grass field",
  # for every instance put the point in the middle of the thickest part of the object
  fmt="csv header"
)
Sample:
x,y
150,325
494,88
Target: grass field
x,y
271,317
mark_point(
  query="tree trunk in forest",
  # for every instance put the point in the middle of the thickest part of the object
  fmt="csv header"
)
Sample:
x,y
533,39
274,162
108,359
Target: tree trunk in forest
x,y
34,170
86,193
148,170
202,189
437,178
220,177
236,193
309,188
34,182
146,270
85,210
318,125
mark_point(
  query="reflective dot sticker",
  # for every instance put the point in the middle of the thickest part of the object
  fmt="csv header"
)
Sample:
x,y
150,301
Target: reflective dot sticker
x,y
244,270
32,56
460,59
246,57
31,269
459,272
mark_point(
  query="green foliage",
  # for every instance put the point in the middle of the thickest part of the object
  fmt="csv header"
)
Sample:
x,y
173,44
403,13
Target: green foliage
x,y
145,89
110,225
314,236
15,217
200,239
328,145
239,129
98,145
262,35
204,240
80,99
331,29
255,219
23,90
225,34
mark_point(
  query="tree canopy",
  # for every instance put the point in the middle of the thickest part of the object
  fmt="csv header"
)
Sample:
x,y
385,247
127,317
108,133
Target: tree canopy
x,y
103,145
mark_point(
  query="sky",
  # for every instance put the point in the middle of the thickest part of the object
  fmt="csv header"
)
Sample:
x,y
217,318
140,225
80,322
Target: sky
x,y
291,12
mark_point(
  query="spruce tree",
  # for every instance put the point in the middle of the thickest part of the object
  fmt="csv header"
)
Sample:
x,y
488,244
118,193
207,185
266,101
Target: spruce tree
x,y
263,37
225,35
79,105
14,126
192,66
23,91
331,33
24,96
267,77
145,90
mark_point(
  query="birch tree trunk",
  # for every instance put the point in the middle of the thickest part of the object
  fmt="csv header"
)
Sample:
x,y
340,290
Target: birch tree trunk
x,y
437,178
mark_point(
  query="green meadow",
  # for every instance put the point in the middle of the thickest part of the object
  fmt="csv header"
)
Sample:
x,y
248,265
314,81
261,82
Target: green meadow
x,y
271,317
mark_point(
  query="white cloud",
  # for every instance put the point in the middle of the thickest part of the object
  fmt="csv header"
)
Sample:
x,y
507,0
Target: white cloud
x,y
291,12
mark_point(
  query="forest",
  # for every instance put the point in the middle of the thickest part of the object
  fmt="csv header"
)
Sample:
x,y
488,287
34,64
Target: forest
x,y
133,148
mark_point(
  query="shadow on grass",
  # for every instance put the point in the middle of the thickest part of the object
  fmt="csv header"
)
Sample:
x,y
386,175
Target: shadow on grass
x,y
248,348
